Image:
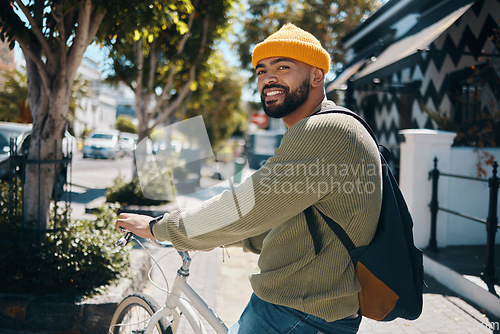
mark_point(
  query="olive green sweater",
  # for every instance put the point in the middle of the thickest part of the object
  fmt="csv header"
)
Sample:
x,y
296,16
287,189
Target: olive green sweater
x,y
326,160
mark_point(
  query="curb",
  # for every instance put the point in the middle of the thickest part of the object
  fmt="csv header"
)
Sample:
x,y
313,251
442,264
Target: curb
x,y
462,286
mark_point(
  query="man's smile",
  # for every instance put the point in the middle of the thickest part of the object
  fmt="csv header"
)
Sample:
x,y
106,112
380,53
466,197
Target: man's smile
x,y
271,94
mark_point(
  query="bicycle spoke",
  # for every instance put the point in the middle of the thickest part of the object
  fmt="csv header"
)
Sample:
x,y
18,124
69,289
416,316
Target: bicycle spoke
x,y
133,320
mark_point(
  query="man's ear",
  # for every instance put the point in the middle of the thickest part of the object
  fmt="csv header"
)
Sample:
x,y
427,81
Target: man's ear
x,y
317,77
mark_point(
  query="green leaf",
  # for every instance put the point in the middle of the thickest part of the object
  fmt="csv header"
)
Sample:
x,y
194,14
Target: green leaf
x,y
137,35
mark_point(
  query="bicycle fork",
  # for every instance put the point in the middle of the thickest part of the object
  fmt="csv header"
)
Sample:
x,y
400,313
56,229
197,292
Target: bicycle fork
x,y
175,301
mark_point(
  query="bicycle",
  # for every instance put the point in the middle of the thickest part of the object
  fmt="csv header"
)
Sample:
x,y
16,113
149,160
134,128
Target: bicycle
x,y
139,313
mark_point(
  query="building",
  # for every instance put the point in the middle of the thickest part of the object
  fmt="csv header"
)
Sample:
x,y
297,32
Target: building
x,y
100,108
423,64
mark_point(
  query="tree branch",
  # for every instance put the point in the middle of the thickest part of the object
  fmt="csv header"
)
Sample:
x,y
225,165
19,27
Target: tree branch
x,y
97,17
58,15
88,22
69,19
35,29
165,93
140,67
192,74
38,63
140,110
153,62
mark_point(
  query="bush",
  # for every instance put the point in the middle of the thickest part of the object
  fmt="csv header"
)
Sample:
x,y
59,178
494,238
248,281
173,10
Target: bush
x,y
129,193
125,124
76,259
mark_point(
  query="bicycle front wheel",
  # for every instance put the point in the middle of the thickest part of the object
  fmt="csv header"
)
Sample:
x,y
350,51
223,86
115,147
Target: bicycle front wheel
x,y
133,313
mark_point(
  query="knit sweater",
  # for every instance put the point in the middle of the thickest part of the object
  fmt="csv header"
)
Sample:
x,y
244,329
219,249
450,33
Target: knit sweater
x,y
329,161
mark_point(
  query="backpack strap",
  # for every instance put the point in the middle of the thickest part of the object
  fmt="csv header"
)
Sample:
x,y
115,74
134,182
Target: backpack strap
x,y
334,226
345,111
313,229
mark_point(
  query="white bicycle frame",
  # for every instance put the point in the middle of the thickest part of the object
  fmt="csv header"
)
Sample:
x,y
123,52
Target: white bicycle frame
x,y
175,299
184,304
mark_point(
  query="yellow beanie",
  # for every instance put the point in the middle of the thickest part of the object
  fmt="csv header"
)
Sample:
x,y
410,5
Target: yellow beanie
x,y
292,42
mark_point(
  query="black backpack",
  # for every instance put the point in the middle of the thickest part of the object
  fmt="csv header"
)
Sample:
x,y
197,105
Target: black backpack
x,y
389,269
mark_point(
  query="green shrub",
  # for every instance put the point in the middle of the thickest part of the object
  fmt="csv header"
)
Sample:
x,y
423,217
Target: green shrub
x,y
77,258
86,132
129,193
125,124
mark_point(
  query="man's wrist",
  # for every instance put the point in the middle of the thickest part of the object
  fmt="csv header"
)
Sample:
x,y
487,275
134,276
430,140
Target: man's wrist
x,y
152,222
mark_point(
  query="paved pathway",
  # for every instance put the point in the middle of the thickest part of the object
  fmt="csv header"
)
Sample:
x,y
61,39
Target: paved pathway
x,y
443,312
225,287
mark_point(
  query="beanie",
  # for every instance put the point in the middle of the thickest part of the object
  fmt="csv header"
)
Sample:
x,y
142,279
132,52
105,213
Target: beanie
x,y
292,42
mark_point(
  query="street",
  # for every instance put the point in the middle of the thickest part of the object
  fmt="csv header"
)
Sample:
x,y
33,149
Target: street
x,y
99,173
89,180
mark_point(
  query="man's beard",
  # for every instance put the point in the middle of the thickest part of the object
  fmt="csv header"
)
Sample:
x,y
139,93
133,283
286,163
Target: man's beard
x,y
291,102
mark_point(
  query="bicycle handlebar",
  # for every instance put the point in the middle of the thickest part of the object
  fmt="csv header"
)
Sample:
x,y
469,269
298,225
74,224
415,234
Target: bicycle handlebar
x,y
123,241
186,259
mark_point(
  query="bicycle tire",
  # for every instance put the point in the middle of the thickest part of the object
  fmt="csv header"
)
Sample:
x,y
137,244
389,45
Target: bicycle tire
x,y
133,313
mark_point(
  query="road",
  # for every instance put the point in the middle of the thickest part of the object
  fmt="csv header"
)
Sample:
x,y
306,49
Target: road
x,y
90,178
100,173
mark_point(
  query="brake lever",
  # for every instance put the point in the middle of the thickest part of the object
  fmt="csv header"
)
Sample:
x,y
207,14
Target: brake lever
x,y
123,241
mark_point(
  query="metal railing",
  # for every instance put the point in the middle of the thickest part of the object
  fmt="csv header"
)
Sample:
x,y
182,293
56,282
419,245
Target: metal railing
x,y
18,161
491,222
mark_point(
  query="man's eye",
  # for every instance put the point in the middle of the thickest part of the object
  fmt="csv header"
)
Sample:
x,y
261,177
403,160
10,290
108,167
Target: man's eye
x,y
260,72
284,67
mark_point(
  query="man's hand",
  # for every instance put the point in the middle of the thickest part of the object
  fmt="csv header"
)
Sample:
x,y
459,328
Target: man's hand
x,y
137,224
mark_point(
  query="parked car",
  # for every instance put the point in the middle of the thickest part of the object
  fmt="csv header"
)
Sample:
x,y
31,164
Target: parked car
x,y
22,135
128,142
10,130
102,144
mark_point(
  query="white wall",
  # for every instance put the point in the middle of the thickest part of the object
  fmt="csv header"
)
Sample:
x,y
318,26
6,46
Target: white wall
x,y
469,197
95,113
417,155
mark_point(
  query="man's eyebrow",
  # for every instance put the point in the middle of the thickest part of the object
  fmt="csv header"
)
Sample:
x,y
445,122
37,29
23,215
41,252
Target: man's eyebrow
x,y
281,59
275,61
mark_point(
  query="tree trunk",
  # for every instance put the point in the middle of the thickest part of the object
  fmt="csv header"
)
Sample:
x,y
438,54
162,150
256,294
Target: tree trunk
x,y
49,124
51,70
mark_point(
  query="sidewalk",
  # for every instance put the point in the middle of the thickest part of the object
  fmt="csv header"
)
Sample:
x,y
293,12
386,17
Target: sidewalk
x,y
226,288
444,311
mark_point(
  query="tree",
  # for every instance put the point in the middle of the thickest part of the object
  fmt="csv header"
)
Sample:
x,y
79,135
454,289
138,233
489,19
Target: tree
x,y
162,58
14,98
218,99
328,20
53,36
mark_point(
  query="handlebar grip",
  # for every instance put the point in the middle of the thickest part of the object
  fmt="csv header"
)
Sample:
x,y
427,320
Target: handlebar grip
x,y
123,241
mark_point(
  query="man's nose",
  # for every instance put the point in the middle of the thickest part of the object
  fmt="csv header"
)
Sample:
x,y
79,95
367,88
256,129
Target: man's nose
x,y
269,78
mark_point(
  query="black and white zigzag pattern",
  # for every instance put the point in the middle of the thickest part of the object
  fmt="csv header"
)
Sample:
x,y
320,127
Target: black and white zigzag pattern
x,y
458,48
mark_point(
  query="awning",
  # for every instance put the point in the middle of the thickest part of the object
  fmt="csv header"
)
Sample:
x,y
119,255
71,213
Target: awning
x,y
412,44
345,75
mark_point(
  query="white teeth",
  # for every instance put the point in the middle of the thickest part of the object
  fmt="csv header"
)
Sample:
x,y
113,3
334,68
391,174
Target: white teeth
x,y
273,93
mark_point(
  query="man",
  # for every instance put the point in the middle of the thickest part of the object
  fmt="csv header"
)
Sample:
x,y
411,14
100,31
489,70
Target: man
x,y
329,161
